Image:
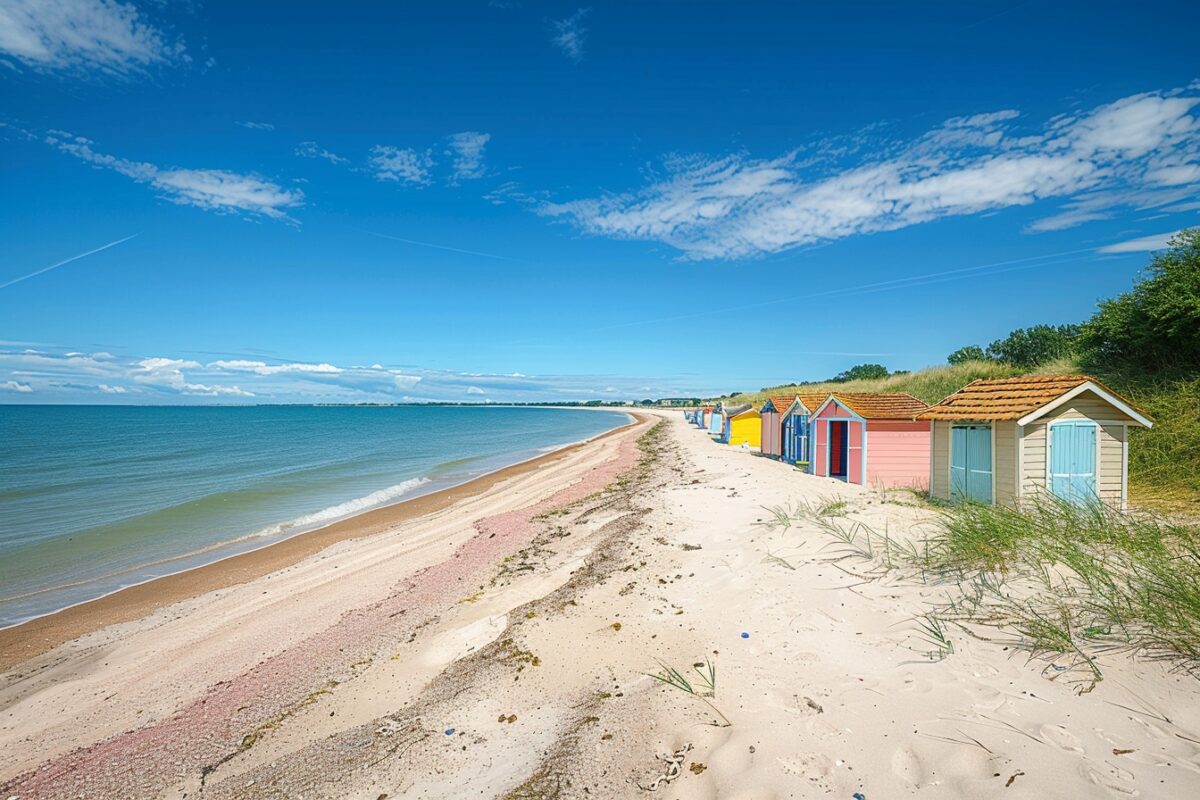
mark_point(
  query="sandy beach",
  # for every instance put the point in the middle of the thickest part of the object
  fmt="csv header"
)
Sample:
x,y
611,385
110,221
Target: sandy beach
x,y
494,641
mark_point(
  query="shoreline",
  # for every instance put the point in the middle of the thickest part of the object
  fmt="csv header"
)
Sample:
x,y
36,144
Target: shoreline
x,y
39,635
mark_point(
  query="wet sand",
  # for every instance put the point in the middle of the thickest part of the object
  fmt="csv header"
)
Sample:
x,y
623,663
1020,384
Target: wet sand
x,y
42,634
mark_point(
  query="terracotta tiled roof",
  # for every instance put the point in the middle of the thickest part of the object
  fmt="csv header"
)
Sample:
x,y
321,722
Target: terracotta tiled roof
x,y
881,405
812,400
1009,398
781,402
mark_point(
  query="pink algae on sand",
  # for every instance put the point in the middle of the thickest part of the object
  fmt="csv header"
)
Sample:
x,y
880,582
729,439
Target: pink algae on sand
x,y
146,761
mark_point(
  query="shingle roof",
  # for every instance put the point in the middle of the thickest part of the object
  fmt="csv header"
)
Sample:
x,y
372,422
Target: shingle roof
x,y
881,405
1009,398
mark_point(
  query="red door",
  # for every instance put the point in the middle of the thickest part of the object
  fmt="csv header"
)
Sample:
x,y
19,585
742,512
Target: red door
x,y
837,449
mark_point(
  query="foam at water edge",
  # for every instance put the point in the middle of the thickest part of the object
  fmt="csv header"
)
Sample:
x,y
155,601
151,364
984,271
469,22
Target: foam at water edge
x,y
345,509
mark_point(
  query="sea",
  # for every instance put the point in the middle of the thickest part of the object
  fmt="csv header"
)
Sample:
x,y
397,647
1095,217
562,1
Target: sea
x,y
97,498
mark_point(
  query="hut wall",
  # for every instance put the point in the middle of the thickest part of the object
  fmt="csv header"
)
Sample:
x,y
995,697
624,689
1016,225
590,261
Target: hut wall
x,y
897,453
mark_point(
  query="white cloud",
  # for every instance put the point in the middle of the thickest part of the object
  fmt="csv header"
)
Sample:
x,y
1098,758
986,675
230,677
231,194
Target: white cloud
x,y
569,35
262,368
1143,244
211,189
737,206
96,36
466,149
313,150
399,164
16,387
101,377
257,126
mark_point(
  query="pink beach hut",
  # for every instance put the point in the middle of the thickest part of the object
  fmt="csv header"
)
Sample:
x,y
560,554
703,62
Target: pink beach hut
x,y
872,439
772,413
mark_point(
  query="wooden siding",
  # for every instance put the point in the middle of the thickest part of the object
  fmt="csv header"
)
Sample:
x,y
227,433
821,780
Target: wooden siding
x,y
772,434
898,454
1087,406
939,465
1112,462
1033,461
1004,469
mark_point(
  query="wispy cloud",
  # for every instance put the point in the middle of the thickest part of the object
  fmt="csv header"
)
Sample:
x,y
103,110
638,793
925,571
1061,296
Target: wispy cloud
x,y
569,35
313,150
92,36
257,126
66,261
1111,157
466,151
211,189
56,376
1142,244
401,164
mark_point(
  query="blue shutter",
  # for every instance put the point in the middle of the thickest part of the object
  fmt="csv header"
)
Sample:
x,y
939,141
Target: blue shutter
x,y
958,463
1073,460
971,463
979,464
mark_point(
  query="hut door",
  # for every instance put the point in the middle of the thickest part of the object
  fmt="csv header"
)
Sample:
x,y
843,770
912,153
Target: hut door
x,y
838,449
855,453
1073,461
971,463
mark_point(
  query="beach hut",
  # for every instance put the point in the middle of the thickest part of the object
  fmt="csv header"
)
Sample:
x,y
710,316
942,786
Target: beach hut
x,y
796,430
998,441
716,422
772,424
872,439
742,425
705,417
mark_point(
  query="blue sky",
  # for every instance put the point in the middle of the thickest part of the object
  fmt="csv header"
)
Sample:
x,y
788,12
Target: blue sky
x,y
522,201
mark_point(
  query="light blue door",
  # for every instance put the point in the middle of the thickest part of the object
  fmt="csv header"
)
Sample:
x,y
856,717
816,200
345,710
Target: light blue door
x,y
1073,460
971,463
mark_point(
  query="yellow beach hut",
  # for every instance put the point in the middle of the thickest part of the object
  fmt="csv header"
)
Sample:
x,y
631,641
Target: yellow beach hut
x,y
743,426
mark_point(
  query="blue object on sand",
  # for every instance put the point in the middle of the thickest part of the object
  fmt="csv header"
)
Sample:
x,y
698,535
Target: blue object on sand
x,y
449,731
859,796
745,635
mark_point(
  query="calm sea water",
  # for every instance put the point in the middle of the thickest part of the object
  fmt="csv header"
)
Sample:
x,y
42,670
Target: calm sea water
x,y
96,498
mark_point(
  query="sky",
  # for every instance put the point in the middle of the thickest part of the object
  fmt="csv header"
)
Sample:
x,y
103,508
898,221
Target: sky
x,y
219,202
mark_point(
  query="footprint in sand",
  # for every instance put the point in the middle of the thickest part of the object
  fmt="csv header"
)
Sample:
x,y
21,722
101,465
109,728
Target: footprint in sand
x,y
908,767
811,766
1060,737
1116,780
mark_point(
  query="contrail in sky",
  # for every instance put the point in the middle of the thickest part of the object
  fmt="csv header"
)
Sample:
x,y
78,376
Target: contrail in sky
x,y
445,247
66,261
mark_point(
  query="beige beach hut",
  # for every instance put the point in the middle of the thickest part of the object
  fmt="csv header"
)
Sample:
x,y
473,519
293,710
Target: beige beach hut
x,y
998,441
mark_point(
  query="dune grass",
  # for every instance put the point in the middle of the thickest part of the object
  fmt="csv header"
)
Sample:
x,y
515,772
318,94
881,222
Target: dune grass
x,y
1055,579
930,384
1164,462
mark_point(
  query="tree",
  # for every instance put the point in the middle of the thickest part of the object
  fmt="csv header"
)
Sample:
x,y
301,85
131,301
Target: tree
x,y
1031,347
1156,327
862,372
971,352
